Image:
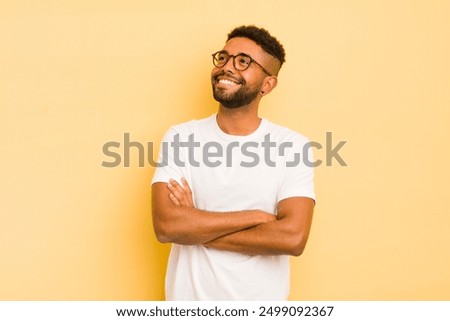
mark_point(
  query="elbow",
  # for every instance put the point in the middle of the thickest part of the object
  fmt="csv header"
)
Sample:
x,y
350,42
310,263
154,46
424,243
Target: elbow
x,y
163,230
163,226
168,232
297,251
162,235
297,246
163,238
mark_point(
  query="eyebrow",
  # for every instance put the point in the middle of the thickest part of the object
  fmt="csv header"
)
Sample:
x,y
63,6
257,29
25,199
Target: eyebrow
x,y
239,53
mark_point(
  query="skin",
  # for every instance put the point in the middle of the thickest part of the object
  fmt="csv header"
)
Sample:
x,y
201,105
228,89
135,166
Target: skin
x,y
253,232
245,120
188,225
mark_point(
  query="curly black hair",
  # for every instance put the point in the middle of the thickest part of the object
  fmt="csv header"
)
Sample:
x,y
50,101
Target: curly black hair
x,y
263,38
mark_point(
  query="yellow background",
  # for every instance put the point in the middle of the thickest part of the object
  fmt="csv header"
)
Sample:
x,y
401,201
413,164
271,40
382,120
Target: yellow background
x,y
75,75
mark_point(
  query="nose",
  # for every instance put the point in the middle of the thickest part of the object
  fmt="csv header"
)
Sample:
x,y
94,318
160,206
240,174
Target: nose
x,y
229,66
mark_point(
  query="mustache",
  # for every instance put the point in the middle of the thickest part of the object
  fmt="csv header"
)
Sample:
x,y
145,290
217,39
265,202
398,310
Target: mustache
x,y
228,75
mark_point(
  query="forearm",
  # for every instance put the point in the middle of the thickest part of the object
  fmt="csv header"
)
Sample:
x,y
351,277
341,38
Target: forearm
x,y
272,238
251,232
190,226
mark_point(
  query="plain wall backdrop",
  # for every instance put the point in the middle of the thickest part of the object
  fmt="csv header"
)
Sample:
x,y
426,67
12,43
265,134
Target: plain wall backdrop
x,y
75,75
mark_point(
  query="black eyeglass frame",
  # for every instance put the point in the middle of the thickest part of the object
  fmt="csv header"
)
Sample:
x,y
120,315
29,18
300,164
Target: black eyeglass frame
x,y
234,61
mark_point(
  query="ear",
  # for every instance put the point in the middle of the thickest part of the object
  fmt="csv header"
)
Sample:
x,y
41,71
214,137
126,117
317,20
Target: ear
x,y
268,85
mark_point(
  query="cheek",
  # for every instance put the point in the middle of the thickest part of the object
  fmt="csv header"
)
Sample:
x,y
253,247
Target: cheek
x,y
252,82
215,71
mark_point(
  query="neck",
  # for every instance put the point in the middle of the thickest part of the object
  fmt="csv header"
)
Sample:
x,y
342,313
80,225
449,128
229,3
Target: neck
x,y
240,121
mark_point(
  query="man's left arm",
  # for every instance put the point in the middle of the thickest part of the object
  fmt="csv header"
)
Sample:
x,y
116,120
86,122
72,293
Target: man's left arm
x,y
287,235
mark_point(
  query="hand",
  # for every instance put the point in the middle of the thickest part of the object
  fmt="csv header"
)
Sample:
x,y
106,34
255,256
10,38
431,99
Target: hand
x,y
180,195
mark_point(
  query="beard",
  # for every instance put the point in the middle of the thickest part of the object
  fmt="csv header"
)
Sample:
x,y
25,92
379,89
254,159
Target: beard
x,y
243,96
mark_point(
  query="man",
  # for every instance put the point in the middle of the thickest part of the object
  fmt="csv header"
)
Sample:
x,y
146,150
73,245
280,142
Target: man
x,y
230,193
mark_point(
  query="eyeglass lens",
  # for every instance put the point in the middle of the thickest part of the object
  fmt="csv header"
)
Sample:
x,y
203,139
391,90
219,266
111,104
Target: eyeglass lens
x,y
240,62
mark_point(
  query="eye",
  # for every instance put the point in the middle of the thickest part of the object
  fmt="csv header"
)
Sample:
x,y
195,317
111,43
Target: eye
x,y
222,57
243,61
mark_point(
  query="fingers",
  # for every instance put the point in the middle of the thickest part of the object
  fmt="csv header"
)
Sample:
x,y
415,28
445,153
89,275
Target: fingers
x,y
188,192
186,185
175,188
180,195
174,200
175,194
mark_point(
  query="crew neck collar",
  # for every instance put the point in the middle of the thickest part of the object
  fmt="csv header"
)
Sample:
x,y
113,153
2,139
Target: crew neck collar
x,y
256,133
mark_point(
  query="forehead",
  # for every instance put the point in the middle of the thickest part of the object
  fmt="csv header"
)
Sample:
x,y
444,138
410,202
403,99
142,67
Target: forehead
x,y
245,45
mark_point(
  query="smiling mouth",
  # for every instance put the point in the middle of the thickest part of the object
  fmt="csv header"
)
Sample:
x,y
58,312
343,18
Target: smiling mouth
x,y
228,82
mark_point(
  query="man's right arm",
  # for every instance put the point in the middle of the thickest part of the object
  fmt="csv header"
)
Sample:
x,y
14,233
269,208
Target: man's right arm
x,y
188,225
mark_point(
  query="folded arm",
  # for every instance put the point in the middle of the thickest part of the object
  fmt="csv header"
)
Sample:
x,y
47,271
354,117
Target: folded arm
x,y
176,220
287,235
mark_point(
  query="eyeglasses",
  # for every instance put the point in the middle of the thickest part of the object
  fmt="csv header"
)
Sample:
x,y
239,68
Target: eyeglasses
x,y
241,61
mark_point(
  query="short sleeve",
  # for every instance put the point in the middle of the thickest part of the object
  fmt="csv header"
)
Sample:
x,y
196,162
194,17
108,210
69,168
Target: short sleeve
x,y
298,178
170,160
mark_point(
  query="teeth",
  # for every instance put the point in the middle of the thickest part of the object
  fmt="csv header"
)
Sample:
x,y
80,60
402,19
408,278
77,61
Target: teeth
x,y
227,82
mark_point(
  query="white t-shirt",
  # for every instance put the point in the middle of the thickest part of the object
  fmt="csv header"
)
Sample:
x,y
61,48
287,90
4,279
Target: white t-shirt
x,y
232,173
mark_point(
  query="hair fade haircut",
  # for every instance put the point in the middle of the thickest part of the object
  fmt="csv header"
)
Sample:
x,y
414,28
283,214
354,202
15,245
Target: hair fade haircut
x,y
263,38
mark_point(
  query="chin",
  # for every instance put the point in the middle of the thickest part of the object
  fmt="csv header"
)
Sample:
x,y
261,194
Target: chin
x,y
231,106
227,103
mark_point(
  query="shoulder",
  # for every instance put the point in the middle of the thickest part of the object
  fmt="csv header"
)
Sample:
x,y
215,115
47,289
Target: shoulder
x,y
285,134
192,126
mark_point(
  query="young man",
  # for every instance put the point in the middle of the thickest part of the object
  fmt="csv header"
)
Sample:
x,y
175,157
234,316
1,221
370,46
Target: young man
x,y
232,192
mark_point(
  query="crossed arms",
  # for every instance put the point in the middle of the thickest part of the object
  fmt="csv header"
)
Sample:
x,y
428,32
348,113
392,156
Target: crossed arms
x,y
253,232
